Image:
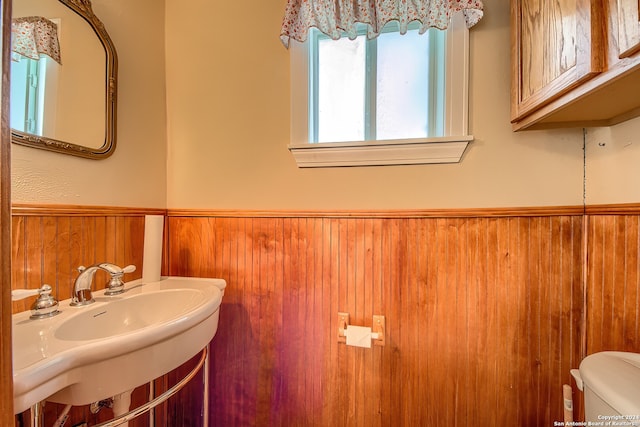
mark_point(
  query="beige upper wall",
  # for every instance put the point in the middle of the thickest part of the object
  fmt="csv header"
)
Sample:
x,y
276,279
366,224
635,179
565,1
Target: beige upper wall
x,y
228,127
135,175
228,116
613,164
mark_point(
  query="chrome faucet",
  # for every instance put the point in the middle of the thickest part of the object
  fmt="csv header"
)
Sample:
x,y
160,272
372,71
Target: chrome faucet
x,y
45,306
82,285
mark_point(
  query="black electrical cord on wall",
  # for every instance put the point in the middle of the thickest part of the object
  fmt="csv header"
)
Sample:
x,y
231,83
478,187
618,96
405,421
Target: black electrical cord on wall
x,y
584,171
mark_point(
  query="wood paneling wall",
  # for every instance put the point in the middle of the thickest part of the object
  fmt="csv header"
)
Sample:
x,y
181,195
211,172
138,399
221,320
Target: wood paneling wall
x,y
483,317
613,292
48,248
485,314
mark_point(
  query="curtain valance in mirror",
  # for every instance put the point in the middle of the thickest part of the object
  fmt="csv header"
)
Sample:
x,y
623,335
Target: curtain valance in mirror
x,y
35,35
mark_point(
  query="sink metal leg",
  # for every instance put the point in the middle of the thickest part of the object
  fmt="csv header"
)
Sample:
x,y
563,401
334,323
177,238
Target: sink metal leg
x,y
37,415
205,393
152,411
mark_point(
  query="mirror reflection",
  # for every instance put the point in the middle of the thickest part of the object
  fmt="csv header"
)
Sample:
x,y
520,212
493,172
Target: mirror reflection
x,y
63,106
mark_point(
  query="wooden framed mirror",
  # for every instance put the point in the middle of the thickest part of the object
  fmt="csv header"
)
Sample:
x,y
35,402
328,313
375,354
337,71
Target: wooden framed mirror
x,y
75,104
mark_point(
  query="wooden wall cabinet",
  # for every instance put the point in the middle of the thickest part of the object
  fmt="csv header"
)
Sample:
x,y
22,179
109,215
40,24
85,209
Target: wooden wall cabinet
x,y
628,27
575,63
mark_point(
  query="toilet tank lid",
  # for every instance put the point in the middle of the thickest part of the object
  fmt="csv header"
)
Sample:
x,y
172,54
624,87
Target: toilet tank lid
x,y
615,377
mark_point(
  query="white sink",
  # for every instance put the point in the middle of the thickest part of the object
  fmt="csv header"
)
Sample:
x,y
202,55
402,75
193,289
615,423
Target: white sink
x,y
93,352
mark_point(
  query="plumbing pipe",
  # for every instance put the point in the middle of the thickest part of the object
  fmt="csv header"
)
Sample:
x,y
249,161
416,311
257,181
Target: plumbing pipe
x,y
567,394
121,404
158,400
97,406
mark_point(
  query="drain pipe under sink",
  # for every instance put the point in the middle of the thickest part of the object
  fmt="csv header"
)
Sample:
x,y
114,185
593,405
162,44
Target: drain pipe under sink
x,y
121,404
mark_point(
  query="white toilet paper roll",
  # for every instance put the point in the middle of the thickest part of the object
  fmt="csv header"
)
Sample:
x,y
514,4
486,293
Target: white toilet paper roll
x,y
152,256
358,336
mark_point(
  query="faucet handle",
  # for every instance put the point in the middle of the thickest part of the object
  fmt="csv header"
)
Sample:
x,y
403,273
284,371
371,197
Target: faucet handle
x,y
129,269
45,306
18,294
114,270
116,285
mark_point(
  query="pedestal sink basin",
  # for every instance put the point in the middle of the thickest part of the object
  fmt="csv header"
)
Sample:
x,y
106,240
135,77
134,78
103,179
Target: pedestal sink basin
x,y
93,352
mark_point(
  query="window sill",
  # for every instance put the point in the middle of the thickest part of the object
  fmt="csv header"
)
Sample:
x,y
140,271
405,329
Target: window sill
x,y
381,153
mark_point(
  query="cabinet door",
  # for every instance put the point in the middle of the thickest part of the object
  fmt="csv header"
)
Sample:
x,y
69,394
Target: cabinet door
x,y
628,27
555,45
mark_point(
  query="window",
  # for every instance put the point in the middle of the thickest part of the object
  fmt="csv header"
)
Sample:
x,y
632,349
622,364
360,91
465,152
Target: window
x,y
27,93
399,97
396,99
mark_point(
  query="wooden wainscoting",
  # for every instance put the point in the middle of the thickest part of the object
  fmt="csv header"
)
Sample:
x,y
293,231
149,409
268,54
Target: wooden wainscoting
x,y
49,243
49,249
483,317
485,313
613,292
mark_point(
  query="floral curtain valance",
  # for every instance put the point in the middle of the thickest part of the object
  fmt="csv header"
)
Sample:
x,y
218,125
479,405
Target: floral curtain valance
x,y
335,17
35,35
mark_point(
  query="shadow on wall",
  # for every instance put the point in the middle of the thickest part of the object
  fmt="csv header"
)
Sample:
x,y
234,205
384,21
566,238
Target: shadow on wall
x,y
236,364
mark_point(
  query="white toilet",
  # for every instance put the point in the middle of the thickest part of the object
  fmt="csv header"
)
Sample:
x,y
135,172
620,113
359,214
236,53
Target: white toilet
x,y
611,384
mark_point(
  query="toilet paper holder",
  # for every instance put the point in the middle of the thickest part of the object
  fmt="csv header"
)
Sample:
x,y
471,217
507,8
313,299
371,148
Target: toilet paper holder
x,y
377,329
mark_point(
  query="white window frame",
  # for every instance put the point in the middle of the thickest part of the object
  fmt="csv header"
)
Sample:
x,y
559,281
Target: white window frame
x,y
445,149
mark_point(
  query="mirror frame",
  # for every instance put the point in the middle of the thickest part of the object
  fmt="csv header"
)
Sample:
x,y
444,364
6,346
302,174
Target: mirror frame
x,y
84,9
